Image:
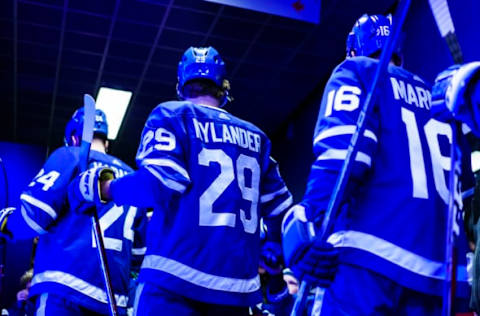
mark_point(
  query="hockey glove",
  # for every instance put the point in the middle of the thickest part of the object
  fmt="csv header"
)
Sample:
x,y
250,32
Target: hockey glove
x,y
271,258
456,95
310,259
84,191
4,214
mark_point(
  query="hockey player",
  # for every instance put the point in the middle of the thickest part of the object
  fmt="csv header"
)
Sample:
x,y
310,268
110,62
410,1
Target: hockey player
x,y
456,96
67,275
391,227
210,178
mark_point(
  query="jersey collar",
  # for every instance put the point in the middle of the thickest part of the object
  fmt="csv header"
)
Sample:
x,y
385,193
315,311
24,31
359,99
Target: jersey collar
x,y
211,107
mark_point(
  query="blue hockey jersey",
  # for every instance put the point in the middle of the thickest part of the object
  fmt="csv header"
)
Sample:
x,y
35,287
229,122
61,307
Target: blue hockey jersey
x,y
393,219
210,178
66,261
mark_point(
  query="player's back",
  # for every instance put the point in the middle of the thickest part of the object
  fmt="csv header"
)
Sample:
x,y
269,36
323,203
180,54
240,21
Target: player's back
x,y
205,243
67,261
395,223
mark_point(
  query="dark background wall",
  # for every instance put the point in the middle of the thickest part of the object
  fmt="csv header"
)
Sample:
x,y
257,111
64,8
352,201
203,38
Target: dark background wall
x,y
21,163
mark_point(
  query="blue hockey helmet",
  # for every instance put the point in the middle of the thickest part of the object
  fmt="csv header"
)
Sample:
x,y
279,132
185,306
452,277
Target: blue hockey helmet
x,y
202,63
75,126
368,35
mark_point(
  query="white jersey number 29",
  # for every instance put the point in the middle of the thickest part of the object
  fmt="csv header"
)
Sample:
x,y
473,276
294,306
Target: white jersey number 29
x,y
440,163
227,175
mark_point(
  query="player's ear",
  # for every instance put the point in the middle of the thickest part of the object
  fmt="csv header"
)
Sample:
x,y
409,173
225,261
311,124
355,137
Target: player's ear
x,y
106,145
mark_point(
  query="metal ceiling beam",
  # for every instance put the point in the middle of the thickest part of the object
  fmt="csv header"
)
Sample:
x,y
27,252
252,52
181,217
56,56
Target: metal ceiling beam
x,y
250,46
212,25
144,71
15,67
57,75
107,45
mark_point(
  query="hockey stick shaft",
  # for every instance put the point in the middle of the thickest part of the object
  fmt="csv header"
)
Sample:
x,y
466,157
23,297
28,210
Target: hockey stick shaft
x,y
104,264
87,136
450,247
444,22
344,174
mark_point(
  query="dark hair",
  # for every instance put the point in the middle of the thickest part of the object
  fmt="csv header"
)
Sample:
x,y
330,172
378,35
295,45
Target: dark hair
x,y
200,87
396,57
101,136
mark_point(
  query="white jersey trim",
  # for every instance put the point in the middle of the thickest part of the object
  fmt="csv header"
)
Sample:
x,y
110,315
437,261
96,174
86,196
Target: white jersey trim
x,y
200,278
270,196
139,251
393,253
42,305
282,207
211,107
296,213
174,185
341,154
343,130
30,222
166,163
41,205
138,293
78,285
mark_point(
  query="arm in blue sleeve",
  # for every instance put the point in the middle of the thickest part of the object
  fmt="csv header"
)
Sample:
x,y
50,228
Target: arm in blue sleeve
x,y
44,200
162,169
340,107
139,247
140,188
275,198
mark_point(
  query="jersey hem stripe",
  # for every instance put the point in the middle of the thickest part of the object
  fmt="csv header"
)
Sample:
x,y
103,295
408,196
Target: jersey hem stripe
x,y
78,285
200,278
393,253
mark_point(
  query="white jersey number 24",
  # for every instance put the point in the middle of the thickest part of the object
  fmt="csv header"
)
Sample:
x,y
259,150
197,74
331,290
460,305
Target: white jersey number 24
x,y
108,219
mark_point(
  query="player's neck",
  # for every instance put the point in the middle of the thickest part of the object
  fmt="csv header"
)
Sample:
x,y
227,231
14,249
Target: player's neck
x,y
204,100
98,145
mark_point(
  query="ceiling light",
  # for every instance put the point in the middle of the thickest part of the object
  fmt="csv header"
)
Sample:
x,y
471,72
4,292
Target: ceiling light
x,y
114,103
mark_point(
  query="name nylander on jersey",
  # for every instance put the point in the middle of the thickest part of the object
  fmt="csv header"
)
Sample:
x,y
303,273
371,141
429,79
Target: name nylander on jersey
x,y
66,261
394,221
210,178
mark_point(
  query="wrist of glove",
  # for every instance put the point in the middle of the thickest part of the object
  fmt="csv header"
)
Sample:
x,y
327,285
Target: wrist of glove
x,y
310,258
85,190
271,258
4,214
317,263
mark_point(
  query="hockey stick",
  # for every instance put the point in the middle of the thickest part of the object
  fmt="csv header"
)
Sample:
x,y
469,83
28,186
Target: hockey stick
x,y
87,136
337,194
444,21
